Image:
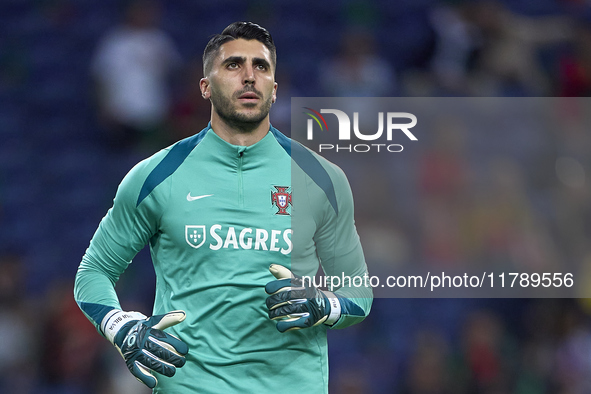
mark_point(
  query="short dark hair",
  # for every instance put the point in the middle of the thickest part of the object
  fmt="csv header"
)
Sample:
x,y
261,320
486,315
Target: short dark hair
x,y
245,30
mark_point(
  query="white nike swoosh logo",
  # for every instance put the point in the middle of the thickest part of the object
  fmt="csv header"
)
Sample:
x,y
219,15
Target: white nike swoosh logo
x,y
191,198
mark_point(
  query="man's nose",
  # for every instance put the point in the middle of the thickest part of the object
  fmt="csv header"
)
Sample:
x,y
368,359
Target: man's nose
x,y
248,75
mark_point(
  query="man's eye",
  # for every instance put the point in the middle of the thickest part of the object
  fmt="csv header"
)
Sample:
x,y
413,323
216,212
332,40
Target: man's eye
x,y
261,67
232,65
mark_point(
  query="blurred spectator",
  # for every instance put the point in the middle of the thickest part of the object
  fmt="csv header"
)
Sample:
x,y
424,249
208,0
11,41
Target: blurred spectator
x,y
428,370
131,66
190,111
456,43
357,70
574,78
484,49
573,353
71,351
18,336
537,340
502,230
443,185
352,381
487,356
443,166
281,109
508,60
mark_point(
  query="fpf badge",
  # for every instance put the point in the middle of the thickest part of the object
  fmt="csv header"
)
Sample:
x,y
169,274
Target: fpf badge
x,y
281,198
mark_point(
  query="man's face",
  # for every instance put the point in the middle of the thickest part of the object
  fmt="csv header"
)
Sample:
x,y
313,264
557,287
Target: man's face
x,y
241,83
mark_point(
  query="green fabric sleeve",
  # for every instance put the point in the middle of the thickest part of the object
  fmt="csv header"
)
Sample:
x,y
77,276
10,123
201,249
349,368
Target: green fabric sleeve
x,y
341,254
122,233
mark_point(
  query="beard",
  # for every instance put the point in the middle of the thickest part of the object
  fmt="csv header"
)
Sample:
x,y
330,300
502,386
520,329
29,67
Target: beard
x,y
228,112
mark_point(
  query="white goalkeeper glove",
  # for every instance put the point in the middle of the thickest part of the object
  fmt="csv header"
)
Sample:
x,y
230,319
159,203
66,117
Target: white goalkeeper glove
x,y
295,305
143,344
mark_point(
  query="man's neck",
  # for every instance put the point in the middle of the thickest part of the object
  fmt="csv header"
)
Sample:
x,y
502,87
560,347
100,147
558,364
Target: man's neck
x,y
237,136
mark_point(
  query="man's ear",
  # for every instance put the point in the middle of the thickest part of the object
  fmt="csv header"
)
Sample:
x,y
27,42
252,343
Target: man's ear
x,y
274,95
204,87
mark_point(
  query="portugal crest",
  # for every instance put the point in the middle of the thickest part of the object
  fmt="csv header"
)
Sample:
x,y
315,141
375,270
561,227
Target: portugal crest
x,y
281,198
195,235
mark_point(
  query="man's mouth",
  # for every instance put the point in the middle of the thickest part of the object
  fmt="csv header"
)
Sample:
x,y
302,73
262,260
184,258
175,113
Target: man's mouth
x,y
248,96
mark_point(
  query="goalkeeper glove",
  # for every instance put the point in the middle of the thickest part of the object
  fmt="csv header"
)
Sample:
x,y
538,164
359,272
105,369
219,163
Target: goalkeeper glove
x,y
296,305
143,344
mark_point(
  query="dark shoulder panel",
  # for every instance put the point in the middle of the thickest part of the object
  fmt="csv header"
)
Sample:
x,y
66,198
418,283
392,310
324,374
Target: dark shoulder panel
x,y
309,164
178,153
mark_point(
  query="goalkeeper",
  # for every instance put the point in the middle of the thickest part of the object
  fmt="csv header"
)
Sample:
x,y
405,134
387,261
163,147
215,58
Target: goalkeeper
x,y
234,215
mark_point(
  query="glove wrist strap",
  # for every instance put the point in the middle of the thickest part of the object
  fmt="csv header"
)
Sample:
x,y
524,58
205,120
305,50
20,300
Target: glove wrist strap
x,y
115,319
335,308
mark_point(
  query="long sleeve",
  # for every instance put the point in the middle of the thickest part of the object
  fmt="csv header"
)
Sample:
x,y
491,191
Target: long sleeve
x,y
336,242
341,255
123,232
323,207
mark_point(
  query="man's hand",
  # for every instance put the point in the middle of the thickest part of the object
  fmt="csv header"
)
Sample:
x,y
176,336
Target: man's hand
x,y
143,344
296,305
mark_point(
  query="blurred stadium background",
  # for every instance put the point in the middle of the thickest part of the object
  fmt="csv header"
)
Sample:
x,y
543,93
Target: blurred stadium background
x,y
59,171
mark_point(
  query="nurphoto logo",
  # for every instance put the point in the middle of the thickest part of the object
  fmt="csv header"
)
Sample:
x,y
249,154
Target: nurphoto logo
x,y
394,125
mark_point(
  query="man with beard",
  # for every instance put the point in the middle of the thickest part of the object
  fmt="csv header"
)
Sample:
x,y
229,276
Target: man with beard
x,y
229,213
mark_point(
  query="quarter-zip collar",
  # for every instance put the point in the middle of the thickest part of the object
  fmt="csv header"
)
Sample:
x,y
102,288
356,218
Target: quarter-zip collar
x,y
234,155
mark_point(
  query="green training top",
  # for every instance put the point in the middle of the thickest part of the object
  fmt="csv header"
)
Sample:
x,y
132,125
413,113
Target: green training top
x,y
216,216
